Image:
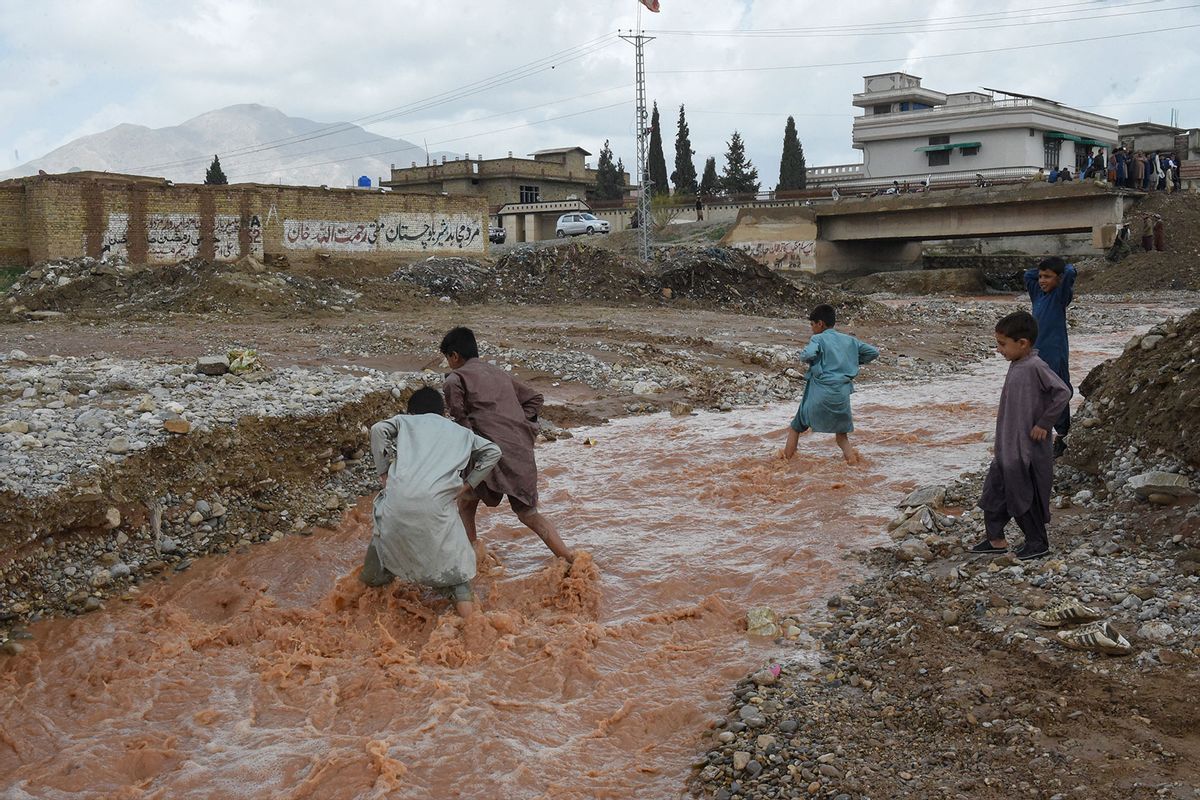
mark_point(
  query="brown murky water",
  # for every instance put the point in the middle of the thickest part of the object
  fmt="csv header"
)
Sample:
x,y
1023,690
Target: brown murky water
x,y
275,674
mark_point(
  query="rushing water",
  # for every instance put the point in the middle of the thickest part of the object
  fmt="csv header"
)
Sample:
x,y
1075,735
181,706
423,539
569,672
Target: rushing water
x,y
275,674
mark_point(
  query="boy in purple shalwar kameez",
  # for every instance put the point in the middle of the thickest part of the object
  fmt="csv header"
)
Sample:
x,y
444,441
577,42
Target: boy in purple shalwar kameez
x,y
489,401
1019,479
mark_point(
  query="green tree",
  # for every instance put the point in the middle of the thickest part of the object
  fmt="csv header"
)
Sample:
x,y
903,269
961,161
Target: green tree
x,y
739,175
215,176
657,164
684,176
710,184
608,178
792,172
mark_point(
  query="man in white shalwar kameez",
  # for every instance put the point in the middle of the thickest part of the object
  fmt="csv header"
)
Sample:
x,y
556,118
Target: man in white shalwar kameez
x,y
421,458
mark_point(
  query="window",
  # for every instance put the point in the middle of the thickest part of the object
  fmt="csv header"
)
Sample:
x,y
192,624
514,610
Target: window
x,y
885,108
939,158
970,151
529,194
1053,149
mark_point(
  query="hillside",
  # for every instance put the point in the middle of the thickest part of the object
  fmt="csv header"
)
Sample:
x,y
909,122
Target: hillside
x,y
182,152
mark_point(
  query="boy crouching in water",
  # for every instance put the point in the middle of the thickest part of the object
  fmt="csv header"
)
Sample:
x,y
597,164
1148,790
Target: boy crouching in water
x,y
419,536
1019,479
833,358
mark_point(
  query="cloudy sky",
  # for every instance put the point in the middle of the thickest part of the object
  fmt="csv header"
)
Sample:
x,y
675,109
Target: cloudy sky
x,y
523,75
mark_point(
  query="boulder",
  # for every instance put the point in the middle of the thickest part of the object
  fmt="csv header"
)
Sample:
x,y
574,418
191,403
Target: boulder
x,y
912,549
1149,483
761,622
212,365
932,496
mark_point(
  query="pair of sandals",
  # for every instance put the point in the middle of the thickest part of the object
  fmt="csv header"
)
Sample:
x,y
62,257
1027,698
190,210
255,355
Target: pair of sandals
x,y
1023,553
1095,634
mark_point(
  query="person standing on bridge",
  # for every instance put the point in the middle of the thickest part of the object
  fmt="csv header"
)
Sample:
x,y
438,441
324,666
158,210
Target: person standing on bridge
x,y
1051,286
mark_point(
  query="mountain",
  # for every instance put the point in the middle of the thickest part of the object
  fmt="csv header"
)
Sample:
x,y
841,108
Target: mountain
x,y
297,154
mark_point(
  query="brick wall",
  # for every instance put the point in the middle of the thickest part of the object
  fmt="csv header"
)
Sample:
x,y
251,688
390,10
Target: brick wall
x,y
152,222
14,243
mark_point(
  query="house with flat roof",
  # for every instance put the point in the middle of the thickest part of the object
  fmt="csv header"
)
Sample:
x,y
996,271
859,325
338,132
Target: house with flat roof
x,y
907,132
556,174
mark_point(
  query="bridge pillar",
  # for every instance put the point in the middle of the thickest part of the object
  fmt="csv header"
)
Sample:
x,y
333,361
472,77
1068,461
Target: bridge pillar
x,y
866,256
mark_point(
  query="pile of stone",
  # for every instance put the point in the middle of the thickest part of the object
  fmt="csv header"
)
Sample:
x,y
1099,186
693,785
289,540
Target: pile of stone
x,y
62,419
1148,399
446,277
930,679
101,288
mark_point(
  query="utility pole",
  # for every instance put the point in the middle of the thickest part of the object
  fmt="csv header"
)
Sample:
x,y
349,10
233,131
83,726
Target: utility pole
x,y
641,120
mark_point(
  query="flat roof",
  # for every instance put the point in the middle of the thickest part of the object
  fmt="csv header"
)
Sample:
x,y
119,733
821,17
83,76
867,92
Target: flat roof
x,y
554,150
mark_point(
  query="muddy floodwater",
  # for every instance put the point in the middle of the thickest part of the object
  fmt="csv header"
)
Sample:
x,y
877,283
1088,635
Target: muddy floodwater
x,y
274,674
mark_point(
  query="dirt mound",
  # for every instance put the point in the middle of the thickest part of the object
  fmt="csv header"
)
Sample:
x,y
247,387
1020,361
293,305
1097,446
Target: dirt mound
x,y
452,277
700,277
1176,267
87,287
722,278
1149,396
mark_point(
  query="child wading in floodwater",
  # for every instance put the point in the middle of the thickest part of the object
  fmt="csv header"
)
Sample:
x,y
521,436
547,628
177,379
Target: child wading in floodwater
x,y
487,400
1051,288
833,358
421,458
1022,471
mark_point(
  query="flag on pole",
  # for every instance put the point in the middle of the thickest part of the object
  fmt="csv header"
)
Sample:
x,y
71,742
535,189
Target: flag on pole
x,y
651,4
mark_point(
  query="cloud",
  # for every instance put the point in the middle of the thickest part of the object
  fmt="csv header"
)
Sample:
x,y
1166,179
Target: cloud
x,y
85,66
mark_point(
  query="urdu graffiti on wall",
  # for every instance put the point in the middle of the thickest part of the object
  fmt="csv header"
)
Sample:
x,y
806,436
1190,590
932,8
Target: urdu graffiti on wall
x,y
226,245
780,254
176,237
388,232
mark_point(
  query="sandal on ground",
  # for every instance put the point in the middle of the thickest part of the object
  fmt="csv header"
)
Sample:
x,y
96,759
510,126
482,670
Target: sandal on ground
x,y
1067,611
1100,637
986,548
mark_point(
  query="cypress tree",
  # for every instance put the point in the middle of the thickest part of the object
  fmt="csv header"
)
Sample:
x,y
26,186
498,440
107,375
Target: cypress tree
x,y
215,176
792,173
739,175
710,184
608,180
684,176
658,164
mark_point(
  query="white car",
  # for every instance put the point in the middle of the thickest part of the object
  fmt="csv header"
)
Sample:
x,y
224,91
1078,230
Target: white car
x,y
579,223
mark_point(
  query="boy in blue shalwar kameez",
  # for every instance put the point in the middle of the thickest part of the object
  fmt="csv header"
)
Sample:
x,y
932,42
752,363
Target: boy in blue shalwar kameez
x,y
1051,288
833,358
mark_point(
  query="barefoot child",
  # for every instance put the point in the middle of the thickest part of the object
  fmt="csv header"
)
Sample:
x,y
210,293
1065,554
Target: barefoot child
x,y
1019,479
487,400
420,458
1051,288
834,359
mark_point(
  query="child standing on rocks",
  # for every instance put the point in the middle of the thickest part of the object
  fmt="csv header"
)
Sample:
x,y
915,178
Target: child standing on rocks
x,y
1051,288
1019,479
420,458
489,401
834,358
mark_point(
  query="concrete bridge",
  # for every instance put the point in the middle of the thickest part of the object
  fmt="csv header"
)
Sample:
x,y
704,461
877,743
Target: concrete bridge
x,y
857,235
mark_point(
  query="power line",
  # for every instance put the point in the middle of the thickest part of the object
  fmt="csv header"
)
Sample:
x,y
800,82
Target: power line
x,y
918,57
500,79
410,134
892,24
456,139
792,33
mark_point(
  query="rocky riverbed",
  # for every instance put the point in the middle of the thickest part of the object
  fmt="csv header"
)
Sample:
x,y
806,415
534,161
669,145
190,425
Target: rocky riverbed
x,y
931,678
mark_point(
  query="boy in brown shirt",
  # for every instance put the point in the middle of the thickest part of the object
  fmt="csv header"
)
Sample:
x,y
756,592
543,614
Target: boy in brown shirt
x,y
489,401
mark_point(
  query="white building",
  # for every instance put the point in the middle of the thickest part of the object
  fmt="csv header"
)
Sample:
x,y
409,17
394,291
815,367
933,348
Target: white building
x,y
907,132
